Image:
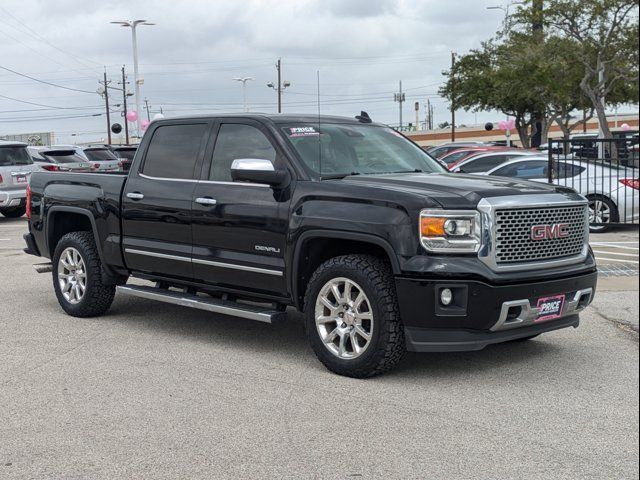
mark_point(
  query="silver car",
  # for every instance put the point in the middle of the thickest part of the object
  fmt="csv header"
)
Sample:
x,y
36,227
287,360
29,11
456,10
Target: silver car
x,y
64,159
612,190
15,170
102,159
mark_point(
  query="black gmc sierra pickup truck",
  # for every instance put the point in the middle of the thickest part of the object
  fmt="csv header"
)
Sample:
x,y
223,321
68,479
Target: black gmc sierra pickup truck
x,y
343,219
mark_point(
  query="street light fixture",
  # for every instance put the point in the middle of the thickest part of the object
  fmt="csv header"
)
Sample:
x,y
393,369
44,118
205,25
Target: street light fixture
x,y
132,24
244,81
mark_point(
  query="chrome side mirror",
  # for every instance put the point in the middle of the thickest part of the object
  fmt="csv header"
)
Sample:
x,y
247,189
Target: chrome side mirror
x,y
258,170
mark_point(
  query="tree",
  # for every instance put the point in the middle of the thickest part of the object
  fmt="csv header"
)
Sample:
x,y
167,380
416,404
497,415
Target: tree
x,y
499,76
604,35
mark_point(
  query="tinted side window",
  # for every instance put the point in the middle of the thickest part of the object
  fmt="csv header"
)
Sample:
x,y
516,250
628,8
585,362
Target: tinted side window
x,y
483,164
530,169
567,170
238,141
173,151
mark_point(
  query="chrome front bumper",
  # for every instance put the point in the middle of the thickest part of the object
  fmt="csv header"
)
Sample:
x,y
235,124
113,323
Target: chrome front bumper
x,y
520,313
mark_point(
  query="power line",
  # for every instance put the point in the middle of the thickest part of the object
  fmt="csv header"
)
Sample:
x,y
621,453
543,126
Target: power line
x,y
45,82
42,104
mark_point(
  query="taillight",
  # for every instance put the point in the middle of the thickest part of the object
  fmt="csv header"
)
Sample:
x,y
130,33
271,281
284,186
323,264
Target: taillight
x,y
1,180
50,168
28,206
631,182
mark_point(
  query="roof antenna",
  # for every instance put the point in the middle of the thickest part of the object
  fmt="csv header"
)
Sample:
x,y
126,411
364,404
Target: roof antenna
x,y
319,142
364,117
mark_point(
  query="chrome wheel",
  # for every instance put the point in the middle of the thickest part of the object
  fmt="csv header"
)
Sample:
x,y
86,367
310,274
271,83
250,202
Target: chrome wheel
x,y
72,275
599,212
344,318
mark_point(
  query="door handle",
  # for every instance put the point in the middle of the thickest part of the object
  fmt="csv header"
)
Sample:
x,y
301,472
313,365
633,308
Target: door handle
x,y
206,201
135,195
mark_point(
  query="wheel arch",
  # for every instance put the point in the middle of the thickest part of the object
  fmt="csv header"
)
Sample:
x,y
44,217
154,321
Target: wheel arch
x,y
315,247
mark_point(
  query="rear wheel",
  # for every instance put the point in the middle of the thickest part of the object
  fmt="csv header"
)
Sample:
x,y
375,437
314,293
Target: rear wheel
x,y
77,276
352,318
602,213
14,212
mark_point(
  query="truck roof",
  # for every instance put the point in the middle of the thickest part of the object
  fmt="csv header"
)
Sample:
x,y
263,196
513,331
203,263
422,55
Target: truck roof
x,y
279,118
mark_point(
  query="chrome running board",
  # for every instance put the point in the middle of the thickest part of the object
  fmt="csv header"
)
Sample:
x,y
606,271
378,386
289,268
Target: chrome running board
x,y
224,307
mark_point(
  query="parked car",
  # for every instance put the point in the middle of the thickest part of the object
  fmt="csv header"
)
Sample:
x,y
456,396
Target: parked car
x,y
125,154
102,159
462,154
62,159
16,168
612,191
380,247
485,161
440,151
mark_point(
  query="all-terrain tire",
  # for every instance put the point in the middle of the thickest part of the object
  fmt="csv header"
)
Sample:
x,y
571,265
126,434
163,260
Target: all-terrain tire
x,y
387,344
97,296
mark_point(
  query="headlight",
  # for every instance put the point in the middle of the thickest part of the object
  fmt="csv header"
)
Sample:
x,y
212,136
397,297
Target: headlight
x,y
450,231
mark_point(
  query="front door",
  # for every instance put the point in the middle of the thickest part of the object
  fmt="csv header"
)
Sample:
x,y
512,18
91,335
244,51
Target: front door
x,y
239,229
157,201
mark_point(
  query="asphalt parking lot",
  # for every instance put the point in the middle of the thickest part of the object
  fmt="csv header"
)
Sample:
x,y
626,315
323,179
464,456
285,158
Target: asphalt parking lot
x,y
158,391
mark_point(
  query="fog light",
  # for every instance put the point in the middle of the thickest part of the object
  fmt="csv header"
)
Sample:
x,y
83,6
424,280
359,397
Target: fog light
x,y
446,296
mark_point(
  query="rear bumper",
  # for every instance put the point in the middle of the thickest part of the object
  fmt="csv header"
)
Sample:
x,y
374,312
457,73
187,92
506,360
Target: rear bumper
x,y
483,313
13,198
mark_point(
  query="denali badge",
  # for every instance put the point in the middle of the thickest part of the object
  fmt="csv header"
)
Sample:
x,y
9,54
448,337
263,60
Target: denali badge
x,y
262,248
549,232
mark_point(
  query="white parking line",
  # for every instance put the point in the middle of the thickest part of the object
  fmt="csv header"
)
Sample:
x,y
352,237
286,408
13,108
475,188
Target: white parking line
x,y
617,260
4,239
634,255
614,244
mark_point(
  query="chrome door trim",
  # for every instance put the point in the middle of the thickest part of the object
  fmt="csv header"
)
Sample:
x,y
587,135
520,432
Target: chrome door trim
x,y
157,255
234,266
199,261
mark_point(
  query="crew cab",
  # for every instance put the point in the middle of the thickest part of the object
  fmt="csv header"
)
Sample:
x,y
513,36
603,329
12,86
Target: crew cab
x,y
345,220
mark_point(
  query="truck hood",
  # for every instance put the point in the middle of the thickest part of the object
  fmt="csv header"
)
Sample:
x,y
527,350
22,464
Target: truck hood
x,y
453,190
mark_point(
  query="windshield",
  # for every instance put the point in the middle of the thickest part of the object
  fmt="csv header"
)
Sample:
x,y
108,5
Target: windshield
x,y
14,156
99,154
63,156
337,150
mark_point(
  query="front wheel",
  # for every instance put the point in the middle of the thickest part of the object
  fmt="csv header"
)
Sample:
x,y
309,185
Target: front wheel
x,y
77,276
352,318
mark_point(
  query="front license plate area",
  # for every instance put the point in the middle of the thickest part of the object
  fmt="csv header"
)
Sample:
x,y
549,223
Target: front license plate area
x,y
550,307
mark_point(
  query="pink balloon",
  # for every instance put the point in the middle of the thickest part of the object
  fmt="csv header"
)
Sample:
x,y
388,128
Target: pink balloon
x,y
132,116
144,125
502,125
511,124
625,126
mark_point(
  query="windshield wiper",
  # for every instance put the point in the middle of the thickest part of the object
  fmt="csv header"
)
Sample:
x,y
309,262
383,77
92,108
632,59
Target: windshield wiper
x,y
338,176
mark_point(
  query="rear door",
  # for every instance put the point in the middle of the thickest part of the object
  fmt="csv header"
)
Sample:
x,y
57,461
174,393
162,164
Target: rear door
x,y
157,198
239,229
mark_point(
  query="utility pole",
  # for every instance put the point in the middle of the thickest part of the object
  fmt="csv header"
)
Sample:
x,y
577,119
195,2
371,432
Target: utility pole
x,y
399,97
453,97
105,83
417,109
146,107
280,86
279,67
124,104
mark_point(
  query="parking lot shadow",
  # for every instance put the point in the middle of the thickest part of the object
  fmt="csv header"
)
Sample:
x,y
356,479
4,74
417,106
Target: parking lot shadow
x,y
287,339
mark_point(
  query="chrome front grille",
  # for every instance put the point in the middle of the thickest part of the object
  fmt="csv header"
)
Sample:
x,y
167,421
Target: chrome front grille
x,y
513,234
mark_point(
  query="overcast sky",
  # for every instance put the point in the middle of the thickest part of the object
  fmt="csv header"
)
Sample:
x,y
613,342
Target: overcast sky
x,y
362,48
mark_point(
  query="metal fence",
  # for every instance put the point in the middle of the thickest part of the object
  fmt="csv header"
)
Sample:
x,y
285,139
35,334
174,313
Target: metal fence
x,y
604,171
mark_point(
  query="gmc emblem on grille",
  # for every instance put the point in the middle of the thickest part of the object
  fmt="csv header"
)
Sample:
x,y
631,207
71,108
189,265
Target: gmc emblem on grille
x,y
549,232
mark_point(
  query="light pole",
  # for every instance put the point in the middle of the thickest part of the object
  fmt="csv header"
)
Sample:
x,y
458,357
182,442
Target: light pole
x,y
137,80
280,86
244,81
